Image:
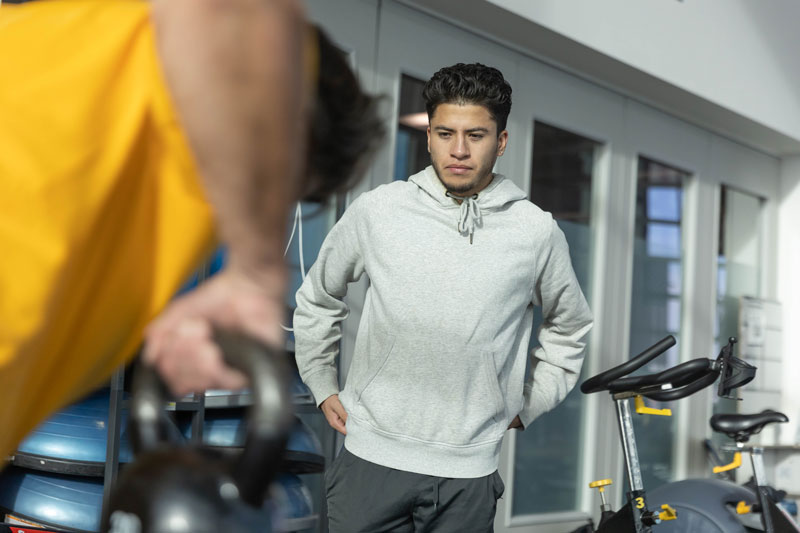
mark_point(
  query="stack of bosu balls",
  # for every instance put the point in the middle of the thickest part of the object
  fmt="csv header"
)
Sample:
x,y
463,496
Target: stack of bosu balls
x,y
55,478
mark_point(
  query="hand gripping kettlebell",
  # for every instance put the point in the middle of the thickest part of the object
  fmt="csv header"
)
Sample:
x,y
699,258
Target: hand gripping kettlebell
x,y
171,488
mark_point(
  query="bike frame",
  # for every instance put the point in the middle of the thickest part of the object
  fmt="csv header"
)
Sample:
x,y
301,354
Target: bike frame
x,y
632,517
773,518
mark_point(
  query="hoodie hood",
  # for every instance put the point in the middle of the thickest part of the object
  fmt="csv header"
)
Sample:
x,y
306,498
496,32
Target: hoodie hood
x,y
501,191
496,195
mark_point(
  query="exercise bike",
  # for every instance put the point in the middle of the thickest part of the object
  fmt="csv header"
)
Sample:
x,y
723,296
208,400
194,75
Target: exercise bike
x,y
719,506
671,384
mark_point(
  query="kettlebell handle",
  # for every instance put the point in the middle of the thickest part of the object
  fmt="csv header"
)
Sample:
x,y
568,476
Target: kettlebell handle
x,y
269,418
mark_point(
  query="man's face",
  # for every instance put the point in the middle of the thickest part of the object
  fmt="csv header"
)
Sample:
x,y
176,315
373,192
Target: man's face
x,y
463,143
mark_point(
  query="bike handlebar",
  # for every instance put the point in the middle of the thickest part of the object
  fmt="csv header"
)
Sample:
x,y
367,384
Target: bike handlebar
x,y
683,379
601,381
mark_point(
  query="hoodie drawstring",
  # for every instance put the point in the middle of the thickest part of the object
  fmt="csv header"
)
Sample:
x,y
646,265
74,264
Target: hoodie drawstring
x,y
470,216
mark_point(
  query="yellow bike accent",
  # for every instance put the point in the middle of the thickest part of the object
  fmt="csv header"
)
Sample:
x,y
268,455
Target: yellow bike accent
x,y
600,484
743,508
642,409
639,503
737,462
668,513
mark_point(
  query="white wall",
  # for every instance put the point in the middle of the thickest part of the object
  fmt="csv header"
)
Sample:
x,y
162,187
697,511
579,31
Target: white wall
x,y
789,292
739,54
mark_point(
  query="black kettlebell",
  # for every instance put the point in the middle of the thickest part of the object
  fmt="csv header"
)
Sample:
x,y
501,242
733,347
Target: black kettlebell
x,y
172,487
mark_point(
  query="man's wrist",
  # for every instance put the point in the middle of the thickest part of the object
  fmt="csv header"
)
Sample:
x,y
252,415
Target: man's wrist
x,y
268,272
322,403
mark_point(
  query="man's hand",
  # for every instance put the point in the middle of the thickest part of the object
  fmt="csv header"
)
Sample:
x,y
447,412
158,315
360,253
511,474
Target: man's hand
x,y
179,343
516,423
335,413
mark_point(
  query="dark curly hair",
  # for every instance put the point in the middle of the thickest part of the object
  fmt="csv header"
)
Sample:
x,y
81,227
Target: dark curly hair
x,y
345,126
470,84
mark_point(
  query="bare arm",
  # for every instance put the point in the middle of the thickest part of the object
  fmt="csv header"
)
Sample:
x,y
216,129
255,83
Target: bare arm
x,y
235,70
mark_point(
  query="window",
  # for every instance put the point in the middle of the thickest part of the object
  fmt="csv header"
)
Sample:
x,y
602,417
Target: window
x,y
550,451
738,275
411,154
656,300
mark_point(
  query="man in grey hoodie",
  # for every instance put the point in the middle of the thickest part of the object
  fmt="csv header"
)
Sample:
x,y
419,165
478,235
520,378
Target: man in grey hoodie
x,y
457,258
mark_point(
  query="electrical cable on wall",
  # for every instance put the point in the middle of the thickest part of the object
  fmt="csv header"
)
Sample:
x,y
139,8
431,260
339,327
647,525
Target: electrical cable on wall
x,y
297,225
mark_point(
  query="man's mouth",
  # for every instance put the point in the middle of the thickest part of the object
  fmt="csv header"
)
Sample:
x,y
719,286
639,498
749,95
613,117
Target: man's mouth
x,y
458,169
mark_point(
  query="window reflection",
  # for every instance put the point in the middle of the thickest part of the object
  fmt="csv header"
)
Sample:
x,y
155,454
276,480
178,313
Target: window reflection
x,y
663,203
663,240
411,146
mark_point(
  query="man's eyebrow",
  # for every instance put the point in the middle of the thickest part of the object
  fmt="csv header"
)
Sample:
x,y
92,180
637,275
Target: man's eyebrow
x,y
471,130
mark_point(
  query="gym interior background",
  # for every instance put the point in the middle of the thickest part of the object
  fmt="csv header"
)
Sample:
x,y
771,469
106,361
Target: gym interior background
x,y
665,138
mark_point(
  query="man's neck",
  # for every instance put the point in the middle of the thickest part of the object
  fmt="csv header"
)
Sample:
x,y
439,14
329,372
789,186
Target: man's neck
x,y
460,196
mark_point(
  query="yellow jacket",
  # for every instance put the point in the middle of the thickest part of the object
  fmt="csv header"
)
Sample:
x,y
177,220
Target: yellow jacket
x,y
102,214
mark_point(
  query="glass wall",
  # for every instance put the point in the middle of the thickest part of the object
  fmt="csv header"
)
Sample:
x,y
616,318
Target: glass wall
x,y
738,275
739,263
656,300
548,454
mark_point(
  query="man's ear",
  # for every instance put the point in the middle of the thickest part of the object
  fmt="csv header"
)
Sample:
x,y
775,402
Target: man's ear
x,y
429,139
502,142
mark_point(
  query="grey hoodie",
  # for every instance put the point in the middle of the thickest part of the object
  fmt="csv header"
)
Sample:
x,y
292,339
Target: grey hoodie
x,y
438,370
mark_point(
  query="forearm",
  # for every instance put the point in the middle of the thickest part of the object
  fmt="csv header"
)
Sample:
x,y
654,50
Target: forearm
x,y
547,386
232,69
556,363
567,320
320,303
318,329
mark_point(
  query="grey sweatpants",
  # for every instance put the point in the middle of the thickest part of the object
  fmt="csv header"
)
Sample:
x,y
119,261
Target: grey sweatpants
x,y
367,498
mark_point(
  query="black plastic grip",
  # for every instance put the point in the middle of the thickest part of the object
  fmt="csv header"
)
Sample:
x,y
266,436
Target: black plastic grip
x,y
269,419
677,376
600,381
682,392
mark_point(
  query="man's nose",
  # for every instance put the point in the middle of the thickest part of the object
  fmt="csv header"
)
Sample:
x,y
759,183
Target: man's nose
x,y
460,149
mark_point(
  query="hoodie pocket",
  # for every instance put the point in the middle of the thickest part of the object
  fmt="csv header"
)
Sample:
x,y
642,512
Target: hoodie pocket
x,y
435,392
379,346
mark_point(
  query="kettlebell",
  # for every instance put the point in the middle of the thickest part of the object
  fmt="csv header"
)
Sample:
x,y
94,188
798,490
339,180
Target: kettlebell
x,y
173,487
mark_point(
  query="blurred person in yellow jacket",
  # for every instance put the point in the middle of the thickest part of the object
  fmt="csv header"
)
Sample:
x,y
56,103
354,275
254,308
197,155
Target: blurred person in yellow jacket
x,y
133,137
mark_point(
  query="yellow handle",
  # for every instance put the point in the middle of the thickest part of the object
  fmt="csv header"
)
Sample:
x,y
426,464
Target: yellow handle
x,y
737,462
668,513
600,484
642,409
743,508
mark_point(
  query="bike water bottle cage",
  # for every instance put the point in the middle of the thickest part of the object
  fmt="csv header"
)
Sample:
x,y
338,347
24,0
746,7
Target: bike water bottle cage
x,y
735,372
741,427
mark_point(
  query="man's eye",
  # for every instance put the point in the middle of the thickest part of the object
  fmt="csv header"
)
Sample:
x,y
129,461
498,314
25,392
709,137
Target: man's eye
x,y
444,134
476,136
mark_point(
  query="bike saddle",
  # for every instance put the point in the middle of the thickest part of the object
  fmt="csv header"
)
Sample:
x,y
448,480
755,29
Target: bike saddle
x,y
741,427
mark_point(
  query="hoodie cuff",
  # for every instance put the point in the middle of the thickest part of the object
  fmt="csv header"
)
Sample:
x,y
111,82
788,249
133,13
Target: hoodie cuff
x,y
533,409
323,385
